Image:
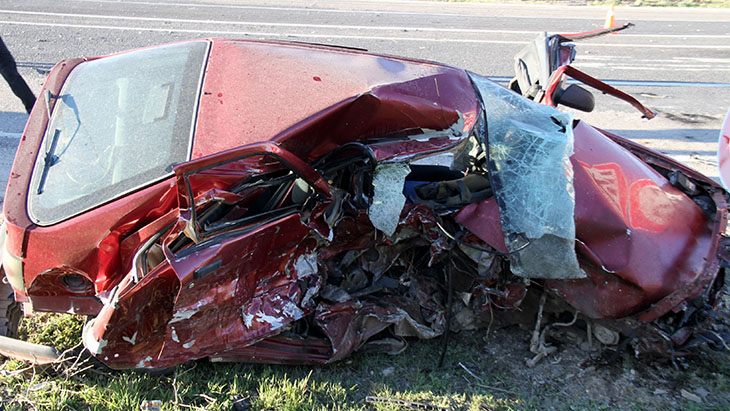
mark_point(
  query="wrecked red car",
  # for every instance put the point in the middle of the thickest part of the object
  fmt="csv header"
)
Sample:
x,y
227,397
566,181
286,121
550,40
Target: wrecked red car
x,y
280,202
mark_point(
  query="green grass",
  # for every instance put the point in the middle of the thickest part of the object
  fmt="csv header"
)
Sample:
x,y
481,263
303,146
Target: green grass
x,y
500,380
217,386
60,331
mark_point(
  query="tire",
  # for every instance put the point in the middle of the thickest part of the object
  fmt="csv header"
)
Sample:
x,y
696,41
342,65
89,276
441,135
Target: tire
x,y
10,310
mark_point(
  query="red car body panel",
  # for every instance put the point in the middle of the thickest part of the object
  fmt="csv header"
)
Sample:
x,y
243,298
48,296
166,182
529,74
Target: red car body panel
x,y
639,236
248,83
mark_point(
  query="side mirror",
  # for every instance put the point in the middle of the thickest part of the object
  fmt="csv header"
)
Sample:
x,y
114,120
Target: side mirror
x,y
576,97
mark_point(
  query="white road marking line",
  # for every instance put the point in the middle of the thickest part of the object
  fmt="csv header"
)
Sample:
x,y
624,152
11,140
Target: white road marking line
x,y
340,36
641,68
274,24
673,65
335,26
238,6
633,83
704,60
675,60
599,14
677,36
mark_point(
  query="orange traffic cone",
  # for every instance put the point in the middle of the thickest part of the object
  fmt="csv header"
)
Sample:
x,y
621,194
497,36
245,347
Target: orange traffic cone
x,y
609,17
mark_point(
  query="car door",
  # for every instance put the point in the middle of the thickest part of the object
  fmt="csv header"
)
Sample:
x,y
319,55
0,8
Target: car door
x,y
246,260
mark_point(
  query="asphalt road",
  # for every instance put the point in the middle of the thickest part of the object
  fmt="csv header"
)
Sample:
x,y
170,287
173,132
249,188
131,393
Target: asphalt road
x,y
676,60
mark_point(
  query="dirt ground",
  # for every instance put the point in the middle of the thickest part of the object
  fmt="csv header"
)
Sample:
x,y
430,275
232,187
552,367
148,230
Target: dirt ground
x,y
579,377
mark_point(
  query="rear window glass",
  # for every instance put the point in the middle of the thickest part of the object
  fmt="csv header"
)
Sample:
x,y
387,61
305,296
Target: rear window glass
x,y
118,124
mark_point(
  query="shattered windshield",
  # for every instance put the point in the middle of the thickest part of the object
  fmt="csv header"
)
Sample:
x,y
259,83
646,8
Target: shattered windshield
x,y
118,124
529,160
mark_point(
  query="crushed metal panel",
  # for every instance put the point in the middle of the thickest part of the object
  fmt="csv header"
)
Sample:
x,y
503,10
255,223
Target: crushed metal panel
x,y
529,150
483,220
640,238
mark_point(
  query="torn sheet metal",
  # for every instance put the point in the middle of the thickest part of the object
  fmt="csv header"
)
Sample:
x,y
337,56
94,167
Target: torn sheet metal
x,y
350,324
483,220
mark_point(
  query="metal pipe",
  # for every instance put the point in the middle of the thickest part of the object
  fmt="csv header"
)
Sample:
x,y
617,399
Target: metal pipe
x,y
22,350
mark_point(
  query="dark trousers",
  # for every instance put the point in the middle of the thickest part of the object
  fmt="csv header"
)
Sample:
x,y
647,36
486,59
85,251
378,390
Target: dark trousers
x,y
9,71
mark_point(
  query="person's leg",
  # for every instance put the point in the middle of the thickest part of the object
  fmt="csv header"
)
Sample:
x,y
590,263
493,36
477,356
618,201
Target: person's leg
x,y
9,71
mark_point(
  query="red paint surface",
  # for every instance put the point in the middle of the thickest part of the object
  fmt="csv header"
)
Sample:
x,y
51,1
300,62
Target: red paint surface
x,y
644,238
557,77
383,95
16,217
483,220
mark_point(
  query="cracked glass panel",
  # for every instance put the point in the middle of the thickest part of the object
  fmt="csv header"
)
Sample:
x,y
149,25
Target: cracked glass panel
x,y
388,198
529,149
